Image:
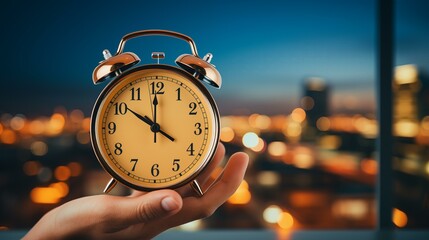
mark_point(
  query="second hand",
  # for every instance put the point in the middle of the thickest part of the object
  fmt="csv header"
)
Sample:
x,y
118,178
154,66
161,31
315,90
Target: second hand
x,y
150,99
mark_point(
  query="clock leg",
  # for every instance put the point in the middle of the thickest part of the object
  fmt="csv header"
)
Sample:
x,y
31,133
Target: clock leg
x,y
110,185
197,188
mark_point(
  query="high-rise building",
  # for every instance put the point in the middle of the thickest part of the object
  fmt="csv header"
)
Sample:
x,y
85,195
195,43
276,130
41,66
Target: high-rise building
x,y
423,95
315,100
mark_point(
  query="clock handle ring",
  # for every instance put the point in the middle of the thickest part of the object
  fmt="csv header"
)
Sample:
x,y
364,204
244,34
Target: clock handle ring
x,y
159,33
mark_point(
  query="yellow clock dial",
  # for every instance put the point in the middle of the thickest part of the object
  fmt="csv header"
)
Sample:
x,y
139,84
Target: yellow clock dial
x,y
155,127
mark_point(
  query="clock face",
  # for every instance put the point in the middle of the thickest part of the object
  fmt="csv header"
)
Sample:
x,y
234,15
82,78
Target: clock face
x,y
155,127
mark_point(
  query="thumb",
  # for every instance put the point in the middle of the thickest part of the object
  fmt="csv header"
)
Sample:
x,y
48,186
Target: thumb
x,y
149,207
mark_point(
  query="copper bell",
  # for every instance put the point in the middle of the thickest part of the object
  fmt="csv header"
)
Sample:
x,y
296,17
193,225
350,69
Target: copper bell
x,y
201,69
113,65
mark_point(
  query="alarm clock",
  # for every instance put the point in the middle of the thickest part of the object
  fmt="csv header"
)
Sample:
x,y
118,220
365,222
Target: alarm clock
x,y
155,126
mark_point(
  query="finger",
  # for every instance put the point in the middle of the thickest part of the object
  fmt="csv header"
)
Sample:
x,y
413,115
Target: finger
x,y
217,159
136,193
228,183
195,208
146,208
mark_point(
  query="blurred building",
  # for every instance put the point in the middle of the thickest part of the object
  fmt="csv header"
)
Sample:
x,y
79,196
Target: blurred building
x,y
315,99
406,86
423,95
411,138
315,102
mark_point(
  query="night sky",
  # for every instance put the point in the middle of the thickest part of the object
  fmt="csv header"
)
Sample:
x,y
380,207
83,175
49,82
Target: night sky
x,y
263,49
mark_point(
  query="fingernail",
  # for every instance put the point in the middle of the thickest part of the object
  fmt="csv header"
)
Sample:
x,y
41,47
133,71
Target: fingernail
x,y
169,204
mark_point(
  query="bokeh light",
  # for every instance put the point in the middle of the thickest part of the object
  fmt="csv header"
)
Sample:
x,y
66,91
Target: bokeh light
x,y
45,174
8,137
62,173
83,137
260,146
250,140
36,127
75,168
31,168
277,149
323,124
329,142
39,148
268,178
293,130
406,74
406,128
76,116
241,195
86,124
307,103
298,115
45,195
17,122
262,122
56,124
227,134
353,209
303,158
399,218
272,214
285,221
369,166
62,187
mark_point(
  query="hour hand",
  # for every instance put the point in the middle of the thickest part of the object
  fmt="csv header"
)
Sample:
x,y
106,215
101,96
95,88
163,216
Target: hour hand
x,y
146,120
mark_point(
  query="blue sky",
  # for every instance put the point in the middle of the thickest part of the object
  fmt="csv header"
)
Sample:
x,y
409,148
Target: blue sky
x,y
263,49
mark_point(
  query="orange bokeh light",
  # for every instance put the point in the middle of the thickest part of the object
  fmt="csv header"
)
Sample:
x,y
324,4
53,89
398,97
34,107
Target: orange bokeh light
x,y
298,115
242,194
86,124
260,146
286,220
369,166
62,188
45,195
31,168
399,218
8,137
227,134
62,173
37,127
75,168
56,124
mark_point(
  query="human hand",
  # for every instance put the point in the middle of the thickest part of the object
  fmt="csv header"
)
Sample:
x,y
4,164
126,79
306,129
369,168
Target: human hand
x,y
141,215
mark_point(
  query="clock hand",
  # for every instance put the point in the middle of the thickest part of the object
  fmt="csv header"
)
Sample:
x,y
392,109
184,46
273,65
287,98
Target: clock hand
x,y
154,127
147,121
148,90
158,129
155,103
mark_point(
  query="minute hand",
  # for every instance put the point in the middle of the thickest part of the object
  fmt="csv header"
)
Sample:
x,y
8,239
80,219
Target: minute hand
x,y
155,104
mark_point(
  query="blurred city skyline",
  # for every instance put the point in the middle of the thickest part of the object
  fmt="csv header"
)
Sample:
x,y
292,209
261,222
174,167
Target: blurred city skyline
x,y
264,50
298,95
